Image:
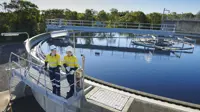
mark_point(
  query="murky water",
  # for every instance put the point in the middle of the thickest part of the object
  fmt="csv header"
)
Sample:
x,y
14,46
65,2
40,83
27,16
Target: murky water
x,y
174,75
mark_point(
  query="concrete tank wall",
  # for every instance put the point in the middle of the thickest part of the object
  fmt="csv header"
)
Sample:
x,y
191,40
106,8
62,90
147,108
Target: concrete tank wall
x,y
185,26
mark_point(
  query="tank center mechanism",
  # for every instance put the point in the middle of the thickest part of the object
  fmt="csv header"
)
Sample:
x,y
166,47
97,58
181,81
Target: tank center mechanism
x,y
164,43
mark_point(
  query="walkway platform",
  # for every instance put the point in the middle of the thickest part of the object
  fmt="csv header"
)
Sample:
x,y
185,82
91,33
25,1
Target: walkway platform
x,y
108,27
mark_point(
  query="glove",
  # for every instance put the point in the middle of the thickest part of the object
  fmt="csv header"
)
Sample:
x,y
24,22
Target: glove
x,y
72,72
67,70
65,65
58,67
75,68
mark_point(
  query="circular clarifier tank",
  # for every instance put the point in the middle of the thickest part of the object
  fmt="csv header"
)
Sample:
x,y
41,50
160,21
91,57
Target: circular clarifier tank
x,y
113,58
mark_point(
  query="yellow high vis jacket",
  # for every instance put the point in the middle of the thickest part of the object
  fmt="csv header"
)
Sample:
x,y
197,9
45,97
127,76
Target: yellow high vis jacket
x,y
53,61
71,61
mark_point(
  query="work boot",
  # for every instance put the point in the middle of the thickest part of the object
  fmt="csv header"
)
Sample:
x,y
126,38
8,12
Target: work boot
x,y
58,93
54,89
69,95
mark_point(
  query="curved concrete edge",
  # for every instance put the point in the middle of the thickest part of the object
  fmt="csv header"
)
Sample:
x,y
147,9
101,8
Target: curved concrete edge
x,y
148,95
36,39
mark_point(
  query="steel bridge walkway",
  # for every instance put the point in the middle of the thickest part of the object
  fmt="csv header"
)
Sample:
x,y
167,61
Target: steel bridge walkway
x,y
120,27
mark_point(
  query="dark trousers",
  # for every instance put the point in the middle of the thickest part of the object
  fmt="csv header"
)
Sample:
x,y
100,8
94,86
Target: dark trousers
x,y
70,79
55,79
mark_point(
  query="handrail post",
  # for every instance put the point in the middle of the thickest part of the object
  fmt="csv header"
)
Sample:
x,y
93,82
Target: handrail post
x,y
174,30
10,73
60,22
83,75
75,81
45,83
139,26
19,64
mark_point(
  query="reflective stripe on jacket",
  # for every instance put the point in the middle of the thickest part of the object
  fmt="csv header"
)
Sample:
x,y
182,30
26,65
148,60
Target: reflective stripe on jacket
x,y
53,61
71,61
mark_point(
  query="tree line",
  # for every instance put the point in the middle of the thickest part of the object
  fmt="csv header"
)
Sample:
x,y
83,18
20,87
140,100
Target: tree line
x,y
25,16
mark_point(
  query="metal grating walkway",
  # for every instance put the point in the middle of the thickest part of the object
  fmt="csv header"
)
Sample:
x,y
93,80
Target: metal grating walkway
x,y
109,98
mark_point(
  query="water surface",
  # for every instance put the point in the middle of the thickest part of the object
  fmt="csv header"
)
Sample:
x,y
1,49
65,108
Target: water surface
x,y
115,60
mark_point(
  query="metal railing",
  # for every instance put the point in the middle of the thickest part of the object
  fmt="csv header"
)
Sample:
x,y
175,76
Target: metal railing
x,y
109,24
34,71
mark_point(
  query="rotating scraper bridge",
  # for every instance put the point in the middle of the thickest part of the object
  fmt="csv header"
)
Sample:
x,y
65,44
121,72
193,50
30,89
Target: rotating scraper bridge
x,y
90,94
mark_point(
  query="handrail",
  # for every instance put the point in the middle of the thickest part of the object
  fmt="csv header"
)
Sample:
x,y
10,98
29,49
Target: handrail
x,y
110,24
35,77
57,20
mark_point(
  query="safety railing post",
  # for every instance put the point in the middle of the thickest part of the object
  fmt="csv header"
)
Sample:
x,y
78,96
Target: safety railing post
x,y
82,82
60,22
19,64
139,26
10,73
75,84
45,83
82,71
174,30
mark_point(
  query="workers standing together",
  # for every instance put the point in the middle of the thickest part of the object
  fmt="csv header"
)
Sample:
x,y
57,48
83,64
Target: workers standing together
x,y
53,60
70,64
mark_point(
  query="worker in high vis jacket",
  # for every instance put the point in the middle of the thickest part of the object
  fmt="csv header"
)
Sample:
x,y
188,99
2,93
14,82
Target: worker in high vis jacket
x,y
53,60
71,64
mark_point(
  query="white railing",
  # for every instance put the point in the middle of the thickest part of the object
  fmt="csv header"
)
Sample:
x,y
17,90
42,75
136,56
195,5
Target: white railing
x,y
109,24
26,67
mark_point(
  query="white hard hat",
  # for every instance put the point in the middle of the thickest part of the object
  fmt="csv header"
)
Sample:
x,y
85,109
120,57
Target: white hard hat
x,y
53,47
69,48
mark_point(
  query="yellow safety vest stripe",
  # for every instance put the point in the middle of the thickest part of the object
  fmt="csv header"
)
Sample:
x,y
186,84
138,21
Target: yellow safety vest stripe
x,y
53,61
71,61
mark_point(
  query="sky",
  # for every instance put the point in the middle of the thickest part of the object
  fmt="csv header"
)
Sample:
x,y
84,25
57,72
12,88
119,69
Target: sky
x,y
147,6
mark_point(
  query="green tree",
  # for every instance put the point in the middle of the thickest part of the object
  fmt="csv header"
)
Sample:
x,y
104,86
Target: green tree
x,y
154,18
102,16
81,16
128,18
139,17
54,13
23,16
114,16
173,15
74,15
89,14
68,14
198,15
187,16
